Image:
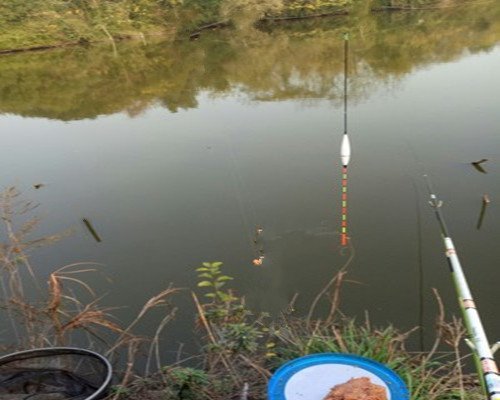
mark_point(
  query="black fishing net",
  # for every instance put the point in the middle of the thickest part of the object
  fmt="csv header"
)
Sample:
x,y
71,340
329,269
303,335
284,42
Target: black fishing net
x,y
54,374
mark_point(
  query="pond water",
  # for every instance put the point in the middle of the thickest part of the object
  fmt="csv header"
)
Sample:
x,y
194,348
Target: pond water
x,y
177,152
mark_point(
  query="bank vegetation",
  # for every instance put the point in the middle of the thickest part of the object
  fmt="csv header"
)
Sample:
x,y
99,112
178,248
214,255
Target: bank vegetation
x,y
41,24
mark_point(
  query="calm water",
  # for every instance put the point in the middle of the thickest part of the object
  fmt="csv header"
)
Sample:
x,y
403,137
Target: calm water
x,y
177,152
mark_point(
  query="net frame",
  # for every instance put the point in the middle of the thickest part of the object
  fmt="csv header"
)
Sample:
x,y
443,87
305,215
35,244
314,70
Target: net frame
x,y
71,351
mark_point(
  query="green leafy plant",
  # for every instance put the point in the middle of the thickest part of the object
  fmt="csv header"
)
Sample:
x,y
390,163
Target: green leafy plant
x,y
187,383
182,376
234,328
214,279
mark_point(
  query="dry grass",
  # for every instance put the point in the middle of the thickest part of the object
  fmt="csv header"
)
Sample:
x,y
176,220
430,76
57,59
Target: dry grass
x,y
48,317
56,314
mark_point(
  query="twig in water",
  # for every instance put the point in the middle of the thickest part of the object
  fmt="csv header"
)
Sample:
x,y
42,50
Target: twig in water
x,y
91,229
484,204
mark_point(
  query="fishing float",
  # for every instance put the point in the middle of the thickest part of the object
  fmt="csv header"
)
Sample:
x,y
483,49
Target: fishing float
x,y
345,149
312,376
478,341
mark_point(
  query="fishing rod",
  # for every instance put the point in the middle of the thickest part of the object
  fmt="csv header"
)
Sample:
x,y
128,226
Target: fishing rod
x,y
345,147
478,342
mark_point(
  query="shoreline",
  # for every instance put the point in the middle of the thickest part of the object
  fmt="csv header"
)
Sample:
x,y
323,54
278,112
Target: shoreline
x,y
197,31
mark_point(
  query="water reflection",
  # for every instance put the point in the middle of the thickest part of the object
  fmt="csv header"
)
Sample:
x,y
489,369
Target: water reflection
x,y
275,62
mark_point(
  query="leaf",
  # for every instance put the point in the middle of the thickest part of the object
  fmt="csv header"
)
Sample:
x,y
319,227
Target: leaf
x,y
211,295
217,264
204,284
205,275
207,264
223,296
201,269
224,278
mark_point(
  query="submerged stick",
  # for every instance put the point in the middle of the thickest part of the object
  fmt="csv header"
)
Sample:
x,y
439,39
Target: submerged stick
x,y
92,230
484,204
479,344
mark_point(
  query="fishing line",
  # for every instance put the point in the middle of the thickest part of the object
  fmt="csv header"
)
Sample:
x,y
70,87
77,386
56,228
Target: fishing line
x,y
420,263
346,73
238,187
421,305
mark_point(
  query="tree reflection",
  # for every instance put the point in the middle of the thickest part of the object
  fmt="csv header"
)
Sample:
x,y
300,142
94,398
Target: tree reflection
x,y
301,60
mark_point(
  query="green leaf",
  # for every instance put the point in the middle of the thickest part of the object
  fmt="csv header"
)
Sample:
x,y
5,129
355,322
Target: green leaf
x,y
217,264
211,295
224,278
201,269
205,275
223,296
207,264
204,284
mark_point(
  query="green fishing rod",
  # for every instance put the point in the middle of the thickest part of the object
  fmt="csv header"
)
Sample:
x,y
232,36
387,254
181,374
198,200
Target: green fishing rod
x,y
478,342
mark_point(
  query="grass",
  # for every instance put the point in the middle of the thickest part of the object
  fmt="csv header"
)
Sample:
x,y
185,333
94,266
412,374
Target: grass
x,y
52,23
239,349
57,22
66,311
